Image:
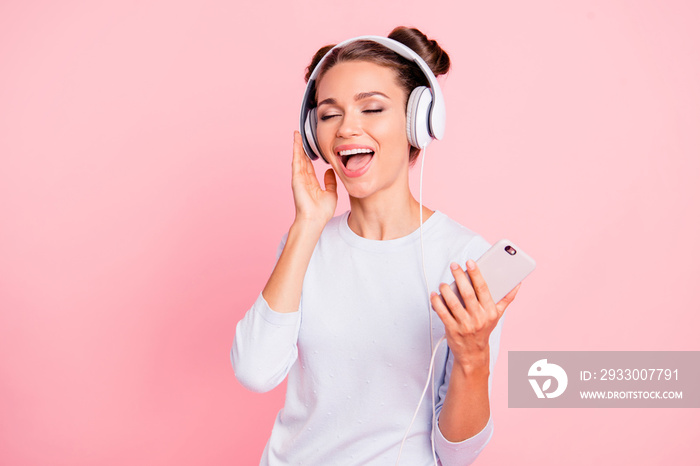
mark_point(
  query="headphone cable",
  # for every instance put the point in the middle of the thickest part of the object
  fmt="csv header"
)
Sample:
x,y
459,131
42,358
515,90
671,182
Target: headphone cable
x,y
430,380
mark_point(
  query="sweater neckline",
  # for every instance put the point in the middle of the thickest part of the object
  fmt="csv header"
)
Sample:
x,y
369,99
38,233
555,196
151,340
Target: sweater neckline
x,y
355,240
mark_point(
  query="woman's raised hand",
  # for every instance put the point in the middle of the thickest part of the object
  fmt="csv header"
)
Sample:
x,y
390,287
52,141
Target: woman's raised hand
x,y
312,202
314,207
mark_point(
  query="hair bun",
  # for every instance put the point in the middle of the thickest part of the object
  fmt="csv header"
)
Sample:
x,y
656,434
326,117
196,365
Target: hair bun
x,y
429,50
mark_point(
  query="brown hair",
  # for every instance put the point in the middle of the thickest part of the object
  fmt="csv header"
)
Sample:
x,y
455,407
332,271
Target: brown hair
x,y
408,74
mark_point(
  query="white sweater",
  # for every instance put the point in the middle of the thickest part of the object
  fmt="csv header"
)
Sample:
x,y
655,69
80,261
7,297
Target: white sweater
x,y
358,349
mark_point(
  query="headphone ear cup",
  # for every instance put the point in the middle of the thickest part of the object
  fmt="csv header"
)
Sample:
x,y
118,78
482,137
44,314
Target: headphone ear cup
x,y
418,117
310,133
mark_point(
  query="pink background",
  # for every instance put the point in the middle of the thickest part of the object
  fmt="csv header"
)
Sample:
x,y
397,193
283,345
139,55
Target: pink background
x,y
144,187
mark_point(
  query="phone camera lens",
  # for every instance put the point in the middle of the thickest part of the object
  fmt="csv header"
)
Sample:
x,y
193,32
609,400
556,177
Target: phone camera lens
x,y
510,250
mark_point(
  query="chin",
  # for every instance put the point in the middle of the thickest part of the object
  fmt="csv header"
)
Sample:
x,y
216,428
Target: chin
x,y
359,190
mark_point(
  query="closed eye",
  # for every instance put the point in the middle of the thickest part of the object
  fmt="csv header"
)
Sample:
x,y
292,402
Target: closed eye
x,y
374,110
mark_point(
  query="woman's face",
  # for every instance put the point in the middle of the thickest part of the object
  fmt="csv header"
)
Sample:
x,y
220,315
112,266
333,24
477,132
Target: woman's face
x,y
362,127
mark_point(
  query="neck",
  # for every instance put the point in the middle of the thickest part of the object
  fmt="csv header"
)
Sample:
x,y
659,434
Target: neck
x,y
386,216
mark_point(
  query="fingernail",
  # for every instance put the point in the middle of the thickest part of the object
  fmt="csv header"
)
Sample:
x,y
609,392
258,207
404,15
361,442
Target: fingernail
x,y
433,294
470,264
454,266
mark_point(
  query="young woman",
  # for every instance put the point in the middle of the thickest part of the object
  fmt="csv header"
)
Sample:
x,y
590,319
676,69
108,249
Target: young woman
x,y
345,314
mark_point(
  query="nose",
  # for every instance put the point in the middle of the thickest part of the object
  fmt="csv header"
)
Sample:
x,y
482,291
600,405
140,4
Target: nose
x,y
349,126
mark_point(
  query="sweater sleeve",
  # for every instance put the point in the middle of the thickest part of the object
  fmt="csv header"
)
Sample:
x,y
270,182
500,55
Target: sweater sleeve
x,y
265,344
465,452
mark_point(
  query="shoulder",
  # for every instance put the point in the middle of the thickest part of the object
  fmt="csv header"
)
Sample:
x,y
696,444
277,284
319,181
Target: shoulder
x,y
330,232
462,242
335,223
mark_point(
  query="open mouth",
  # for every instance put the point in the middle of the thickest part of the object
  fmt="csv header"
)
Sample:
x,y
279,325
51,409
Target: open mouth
x,y
355,159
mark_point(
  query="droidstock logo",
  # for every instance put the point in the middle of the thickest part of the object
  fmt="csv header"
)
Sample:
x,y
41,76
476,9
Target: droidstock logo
x,y
546,371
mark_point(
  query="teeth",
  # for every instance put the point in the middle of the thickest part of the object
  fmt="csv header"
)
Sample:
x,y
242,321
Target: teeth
x,y
344,153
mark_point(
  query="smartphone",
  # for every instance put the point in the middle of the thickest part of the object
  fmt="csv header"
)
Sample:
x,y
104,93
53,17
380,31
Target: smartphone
x,y
503,266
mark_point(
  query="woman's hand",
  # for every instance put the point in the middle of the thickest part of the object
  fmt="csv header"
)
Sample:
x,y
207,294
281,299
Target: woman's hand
x,y
311,201
467,328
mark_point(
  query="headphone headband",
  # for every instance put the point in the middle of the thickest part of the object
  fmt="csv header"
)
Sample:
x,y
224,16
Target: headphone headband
x,y
436,119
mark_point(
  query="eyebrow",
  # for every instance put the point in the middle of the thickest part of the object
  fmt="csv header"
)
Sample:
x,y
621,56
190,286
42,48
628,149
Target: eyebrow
x,y
360,96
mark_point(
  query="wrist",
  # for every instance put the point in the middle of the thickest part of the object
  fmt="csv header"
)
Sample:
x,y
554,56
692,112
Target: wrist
x,y
309,224
474,365
306,229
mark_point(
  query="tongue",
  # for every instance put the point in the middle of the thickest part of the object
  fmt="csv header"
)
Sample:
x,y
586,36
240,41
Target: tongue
x,y
358,161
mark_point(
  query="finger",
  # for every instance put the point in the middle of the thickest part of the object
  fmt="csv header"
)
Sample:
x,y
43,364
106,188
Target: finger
x,y
441,309
452,303
303,162
302,168
464,286
507,299
329,181
295,151
298,145
478,283
298,156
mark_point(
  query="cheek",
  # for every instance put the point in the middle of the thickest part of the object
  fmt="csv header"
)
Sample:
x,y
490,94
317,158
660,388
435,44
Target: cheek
x,y
392,131
398,133
325,136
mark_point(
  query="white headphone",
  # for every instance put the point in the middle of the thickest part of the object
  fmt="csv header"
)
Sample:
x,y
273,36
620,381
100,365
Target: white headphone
x,y
425,112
